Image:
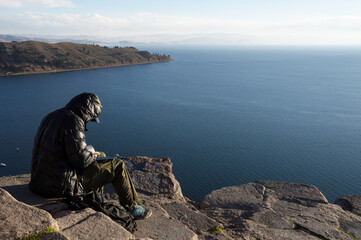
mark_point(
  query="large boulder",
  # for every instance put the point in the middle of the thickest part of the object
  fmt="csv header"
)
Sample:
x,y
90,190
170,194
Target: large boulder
x,y
279,210
18,219
152,177
289,190
247,196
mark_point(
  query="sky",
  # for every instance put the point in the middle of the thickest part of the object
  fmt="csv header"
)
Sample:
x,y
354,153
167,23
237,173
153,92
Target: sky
x,y
284,22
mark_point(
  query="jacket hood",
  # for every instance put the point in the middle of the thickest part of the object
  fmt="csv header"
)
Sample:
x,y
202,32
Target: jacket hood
x,y
86,105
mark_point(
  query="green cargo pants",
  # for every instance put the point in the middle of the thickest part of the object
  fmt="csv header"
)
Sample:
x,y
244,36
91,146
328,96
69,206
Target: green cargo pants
x,y
112,171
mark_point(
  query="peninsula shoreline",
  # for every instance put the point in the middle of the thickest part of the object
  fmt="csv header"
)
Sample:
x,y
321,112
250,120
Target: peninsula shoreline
x,y
79,69
32,57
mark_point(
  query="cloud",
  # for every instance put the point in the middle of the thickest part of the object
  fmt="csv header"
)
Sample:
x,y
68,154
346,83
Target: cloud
x,y
35,3
340,29
332,23
10,3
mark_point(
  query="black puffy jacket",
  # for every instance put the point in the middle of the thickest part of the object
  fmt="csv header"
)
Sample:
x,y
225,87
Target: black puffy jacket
x,y
59,152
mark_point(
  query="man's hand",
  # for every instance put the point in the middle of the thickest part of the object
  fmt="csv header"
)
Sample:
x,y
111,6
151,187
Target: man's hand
x,y
100,154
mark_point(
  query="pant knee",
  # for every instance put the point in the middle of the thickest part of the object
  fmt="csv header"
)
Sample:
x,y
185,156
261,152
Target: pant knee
x,y
119,165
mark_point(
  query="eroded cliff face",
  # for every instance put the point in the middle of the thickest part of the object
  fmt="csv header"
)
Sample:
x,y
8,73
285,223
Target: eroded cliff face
x,y
40,57
257,210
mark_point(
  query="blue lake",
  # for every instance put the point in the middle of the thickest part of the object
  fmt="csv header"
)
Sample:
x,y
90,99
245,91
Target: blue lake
x,y
224,115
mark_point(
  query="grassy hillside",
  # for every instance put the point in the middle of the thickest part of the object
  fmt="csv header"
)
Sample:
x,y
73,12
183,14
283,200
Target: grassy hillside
x,y
39,57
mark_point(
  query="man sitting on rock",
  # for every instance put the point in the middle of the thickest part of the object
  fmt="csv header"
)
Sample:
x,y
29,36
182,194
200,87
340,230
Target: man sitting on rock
x,y
62,165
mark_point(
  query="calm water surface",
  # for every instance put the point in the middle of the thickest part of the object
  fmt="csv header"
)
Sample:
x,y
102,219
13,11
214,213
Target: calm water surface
x,y
225,116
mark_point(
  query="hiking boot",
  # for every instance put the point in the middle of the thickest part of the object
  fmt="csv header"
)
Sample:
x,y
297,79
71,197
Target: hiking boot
x,y
139,212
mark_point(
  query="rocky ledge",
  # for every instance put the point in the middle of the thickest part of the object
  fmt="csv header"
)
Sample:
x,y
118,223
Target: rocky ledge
x,y
257,210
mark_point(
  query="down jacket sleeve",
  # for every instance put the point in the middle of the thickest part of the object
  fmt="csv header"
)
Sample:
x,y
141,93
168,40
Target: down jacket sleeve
x,y
78,156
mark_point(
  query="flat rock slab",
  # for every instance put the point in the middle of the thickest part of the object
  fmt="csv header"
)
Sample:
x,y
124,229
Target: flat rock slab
x,y
22,179
254,230
245,196
18,187
294,190
191,217
161,226
89,224
18,219
195,220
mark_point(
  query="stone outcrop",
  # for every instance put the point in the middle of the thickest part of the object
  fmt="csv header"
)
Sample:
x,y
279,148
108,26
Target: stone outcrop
x,y
350,203
154,176
280,210
25,219
257,210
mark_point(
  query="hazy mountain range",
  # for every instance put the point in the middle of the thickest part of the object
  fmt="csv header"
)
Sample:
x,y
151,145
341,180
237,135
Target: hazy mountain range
x,y
204,39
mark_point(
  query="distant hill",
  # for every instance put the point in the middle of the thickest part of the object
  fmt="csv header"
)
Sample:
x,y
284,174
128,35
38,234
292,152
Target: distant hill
x,y
39,57
54,39
9,38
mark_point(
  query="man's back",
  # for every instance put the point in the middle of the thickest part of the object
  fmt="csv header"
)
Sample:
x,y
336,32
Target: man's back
x,y
59,152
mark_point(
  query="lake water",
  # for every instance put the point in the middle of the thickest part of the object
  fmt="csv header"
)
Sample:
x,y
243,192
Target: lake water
x,y
224,115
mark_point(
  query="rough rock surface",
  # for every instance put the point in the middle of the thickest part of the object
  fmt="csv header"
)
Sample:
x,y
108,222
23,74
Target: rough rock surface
x,y
162,226
20,215
154,176
195,220
279,210
154,181
350,203
18,187
258,210
89,224
54,236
